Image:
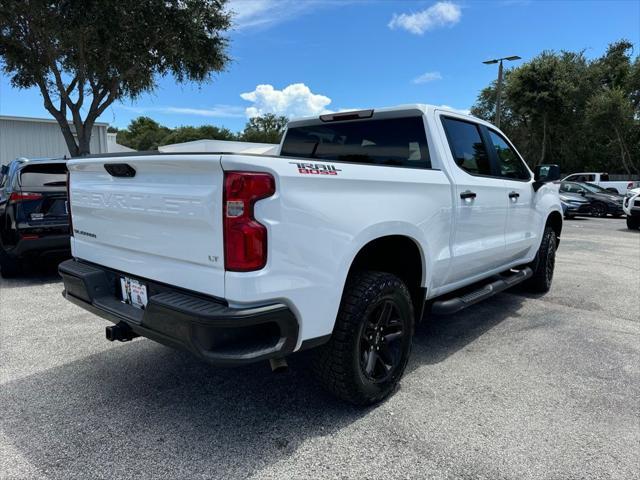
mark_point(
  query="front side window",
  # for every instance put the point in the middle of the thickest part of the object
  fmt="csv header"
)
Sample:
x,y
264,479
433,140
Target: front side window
x,y
394,142
510,164
467,147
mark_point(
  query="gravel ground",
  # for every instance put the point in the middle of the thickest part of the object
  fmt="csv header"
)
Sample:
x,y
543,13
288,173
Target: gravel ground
x,y
517,387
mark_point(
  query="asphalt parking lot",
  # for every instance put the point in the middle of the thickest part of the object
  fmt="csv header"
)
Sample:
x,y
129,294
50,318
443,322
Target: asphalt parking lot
x,y
518,387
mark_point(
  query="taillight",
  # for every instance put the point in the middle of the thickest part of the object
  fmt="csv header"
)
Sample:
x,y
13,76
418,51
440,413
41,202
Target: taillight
x,y
69,203
245,239
16,197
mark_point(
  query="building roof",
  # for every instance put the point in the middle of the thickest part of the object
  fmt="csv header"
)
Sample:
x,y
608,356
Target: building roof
x,y
14,118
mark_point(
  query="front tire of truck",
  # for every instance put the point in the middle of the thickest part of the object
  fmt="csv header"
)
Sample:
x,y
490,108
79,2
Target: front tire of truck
x,y
371,341
544,263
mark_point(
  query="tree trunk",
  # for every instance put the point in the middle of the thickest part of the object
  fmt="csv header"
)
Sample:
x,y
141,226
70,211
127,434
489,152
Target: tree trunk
x,y
544,139
69,139
622,151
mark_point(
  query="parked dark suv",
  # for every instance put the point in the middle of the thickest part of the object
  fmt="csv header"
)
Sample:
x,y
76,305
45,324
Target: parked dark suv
x,y
33,212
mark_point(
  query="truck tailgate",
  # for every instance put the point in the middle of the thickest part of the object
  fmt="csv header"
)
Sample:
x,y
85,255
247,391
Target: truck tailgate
x,y
164,223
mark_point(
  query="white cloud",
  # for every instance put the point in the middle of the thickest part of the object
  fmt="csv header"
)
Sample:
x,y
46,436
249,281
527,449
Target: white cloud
x,y
427,77
295,100
261,13
442,14
217,111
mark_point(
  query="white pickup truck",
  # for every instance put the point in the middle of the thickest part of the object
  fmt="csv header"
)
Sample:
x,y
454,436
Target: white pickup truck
x,y
602,180
362,222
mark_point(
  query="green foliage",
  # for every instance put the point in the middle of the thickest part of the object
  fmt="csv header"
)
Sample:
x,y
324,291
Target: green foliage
x,y
144,133
264,129
84,55
188,134
562,108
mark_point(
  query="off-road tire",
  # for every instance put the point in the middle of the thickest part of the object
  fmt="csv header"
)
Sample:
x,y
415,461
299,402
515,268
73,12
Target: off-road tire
x,y
633,223
544,263
338,364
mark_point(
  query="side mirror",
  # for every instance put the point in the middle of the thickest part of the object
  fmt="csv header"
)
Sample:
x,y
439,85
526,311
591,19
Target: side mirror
x,y
582,192
544,174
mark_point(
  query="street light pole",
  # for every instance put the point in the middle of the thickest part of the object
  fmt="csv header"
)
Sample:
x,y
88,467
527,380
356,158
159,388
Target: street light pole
x,y
499,94
499,86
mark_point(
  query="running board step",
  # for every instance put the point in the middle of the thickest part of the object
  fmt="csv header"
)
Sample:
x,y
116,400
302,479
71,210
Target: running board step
x,y
455,304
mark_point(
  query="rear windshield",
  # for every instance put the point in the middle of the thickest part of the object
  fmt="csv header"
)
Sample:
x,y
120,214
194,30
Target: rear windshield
x,y
396,142
45,175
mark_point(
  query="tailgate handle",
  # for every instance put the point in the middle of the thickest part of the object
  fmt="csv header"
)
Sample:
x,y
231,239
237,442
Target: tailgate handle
x,y
120,170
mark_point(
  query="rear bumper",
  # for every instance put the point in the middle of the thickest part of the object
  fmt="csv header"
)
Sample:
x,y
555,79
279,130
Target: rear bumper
x,y
203,325
45,244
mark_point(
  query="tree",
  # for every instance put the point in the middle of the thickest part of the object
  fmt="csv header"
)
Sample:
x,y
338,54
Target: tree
x,y
204,132
267,128
143,133
85,55
563,108
611,113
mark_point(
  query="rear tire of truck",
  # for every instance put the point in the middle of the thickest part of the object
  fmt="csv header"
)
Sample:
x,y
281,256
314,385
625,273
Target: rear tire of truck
x,y
633,223
371,341
544,264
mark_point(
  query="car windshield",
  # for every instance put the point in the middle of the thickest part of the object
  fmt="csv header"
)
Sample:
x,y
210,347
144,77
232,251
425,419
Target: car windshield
x,y
594,188
44,175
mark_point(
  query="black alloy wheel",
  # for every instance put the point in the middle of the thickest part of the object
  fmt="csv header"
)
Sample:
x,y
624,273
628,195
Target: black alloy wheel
x,y
599,210
381,342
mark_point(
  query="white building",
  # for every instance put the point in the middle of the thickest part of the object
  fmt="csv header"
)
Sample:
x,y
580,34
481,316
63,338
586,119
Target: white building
x,y
41,137
114,147
220,146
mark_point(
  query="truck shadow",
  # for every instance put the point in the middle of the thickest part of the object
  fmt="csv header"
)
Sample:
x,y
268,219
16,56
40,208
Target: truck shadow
x,y
143,410
438,337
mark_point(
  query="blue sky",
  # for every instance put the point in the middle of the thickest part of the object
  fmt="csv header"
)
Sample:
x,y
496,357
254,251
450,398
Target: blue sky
x,y
303,57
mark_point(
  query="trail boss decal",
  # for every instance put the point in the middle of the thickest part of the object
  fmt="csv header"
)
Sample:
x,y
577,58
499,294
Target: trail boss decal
x,y
316,168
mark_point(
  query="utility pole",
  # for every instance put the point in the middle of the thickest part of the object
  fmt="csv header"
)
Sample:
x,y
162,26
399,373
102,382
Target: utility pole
x,y
499,86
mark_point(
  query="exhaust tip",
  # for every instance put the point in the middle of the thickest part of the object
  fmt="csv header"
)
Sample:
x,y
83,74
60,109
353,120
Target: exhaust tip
x,y
278,365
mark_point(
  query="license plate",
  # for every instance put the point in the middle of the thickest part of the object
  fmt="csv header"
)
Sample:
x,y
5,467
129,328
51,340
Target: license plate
x,y
133,292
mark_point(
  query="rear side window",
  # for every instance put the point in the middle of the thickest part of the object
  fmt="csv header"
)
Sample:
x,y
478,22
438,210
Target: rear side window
x,y
467,147
510,164
44,175
398,142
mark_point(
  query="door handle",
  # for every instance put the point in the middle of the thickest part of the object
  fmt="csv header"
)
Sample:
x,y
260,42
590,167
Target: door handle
x,y
467,194
514,195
